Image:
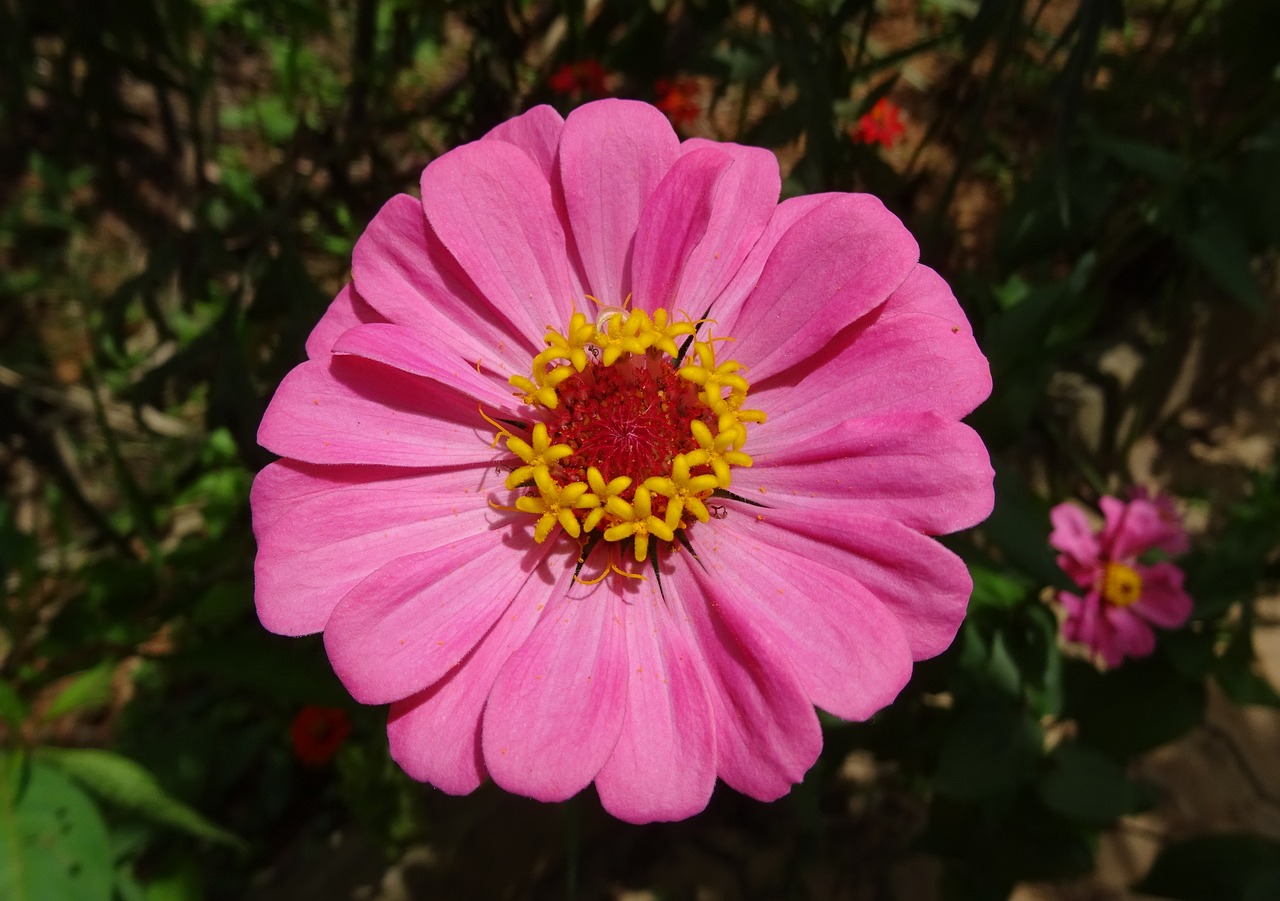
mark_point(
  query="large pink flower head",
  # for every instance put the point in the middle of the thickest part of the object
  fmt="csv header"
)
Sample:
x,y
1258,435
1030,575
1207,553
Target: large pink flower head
x,y
608,466
1123,596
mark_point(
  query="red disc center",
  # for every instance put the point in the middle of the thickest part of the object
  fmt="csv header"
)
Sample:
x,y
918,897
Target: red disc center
x,y
628,419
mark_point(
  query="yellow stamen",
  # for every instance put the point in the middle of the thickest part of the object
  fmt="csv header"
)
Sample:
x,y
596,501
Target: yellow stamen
x,y
713,378
684,491
602,491
532,393
540,455
571,346
716,451
1121,585
556,505
637,519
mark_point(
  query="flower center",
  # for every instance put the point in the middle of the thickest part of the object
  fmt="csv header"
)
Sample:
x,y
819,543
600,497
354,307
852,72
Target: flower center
x,y
624,442
1121,585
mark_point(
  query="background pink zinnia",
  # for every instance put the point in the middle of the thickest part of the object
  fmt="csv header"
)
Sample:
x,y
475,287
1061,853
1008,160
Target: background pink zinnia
x,y
1123,595
387,524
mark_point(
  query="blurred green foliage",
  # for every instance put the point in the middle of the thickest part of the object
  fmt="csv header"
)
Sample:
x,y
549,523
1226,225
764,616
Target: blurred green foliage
x,y
181,185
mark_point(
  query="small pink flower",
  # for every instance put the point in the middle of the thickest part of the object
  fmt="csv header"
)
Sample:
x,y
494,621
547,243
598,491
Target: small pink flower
x,y
882,124
640,570
1124,597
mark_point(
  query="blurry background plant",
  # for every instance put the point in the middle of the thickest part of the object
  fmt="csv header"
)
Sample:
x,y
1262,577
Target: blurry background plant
x,y
181,182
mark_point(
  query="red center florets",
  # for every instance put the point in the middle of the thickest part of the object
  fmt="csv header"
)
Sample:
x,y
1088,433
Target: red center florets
x,y
628,419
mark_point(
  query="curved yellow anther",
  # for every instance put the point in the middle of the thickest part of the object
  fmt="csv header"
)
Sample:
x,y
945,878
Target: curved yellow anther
x,y
556,505
684,491
502,431
715,451
603,491
637,519
536,456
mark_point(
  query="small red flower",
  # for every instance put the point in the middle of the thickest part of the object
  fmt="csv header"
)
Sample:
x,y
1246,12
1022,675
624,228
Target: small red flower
x,y
678,99
881,125
317,733
584,78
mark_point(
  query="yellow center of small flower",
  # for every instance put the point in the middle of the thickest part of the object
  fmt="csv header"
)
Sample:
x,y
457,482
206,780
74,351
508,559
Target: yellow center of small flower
x,y
1121,585
628,440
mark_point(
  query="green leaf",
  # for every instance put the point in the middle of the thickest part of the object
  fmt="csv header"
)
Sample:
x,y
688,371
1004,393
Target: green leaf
x,y
1161,165
127,785
89,689
993,747
992,588
1216,868
1088,786
12,710
1019,527
53,842
183,884
1136,707
1218,243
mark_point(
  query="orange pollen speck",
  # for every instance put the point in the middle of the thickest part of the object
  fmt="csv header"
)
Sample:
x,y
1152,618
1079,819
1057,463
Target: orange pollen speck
x,y
627,438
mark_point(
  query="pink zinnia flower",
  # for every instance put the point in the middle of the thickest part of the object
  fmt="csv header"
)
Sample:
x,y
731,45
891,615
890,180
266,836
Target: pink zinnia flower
x,y
641,570
1124,597
880,125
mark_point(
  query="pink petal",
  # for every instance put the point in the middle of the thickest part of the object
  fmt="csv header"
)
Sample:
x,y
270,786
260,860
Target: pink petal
x,y
837,263
346,409
435,734
1087,624
492,209
767,734
847,650
922,584
613,154
1073,535
726,307
1073,606
745,200
347,311
1128,636
1163,602
1133,528
1141,525
913,354
927,472
321,530
537,133
673,222
408,351
664,764
405,274
279,486
414,619
557,707
702,221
